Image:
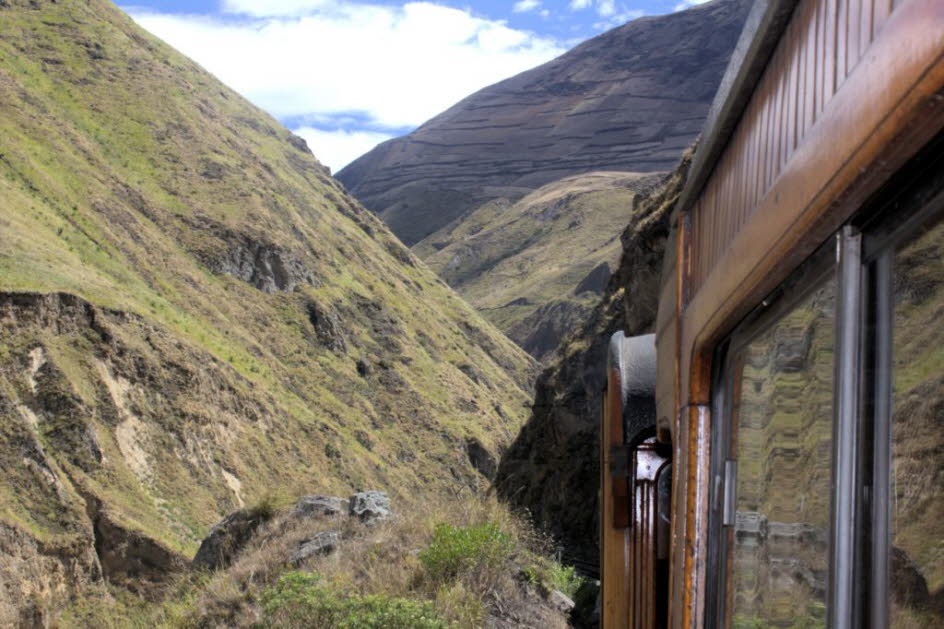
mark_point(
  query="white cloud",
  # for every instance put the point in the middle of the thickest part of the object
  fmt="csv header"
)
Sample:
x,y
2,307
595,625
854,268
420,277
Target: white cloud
x,y
396,66
523,6
336,149
272,8
687,4
614,14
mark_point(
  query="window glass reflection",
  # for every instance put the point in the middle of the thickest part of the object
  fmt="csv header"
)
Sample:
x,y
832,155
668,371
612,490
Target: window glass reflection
x,y
782,420
916,562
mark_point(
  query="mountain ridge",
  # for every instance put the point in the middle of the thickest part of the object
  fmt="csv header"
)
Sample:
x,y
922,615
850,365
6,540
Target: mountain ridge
x,y
630,99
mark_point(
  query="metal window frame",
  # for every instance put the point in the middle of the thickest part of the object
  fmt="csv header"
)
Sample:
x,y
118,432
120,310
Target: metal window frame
x,y
918,192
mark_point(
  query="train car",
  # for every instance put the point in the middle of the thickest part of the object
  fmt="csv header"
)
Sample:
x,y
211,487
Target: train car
x,y
777,458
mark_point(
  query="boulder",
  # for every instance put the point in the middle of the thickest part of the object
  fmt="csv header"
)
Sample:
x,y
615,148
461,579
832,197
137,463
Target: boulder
x,y
226,539
317,507
560,601
370,506
323,543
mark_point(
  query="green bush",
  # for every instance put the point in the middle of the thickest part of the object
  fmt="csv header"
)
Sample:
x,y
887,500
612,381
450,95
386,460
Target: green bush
x,y
300,600
455,550
550,575
566,579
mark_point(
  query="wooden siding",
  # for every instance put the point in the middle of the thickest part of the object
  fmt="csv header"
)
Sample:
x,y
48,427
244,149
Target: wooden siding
x,y
822,45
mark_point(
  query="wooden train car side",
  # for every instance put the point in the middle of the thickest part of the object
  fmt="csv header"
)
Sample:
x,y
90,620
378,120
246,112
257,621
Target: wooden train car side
x,y
782,339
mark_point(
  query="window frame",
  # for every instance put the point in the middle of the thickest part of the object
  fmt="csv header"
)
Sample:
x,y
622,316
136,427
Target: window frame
x,y
860,257
808,278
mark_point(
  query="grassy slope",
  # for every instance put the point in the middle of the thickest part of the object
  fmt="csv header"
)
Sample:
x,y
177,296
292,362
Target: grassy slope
x,y
124,169
510,260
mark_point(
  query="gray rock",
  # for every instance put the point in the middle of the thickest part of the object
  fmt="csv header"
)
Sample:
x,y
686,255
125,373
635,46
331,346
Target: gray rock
x,y
320,507
327,325
320,544
370,506
560,601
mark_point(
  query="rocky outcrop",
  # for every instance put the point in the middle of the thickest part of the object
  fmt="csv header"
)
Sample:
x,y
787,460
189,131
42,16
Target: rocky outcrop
x,y
552,468
227,538
480,458
369,507
323,543
630,99
595,281
267,267
309,507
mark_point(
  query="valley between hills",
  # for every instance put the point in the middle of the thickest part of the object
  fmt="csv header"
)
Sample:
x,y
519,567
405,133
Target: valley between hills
x,y
230,395
516,194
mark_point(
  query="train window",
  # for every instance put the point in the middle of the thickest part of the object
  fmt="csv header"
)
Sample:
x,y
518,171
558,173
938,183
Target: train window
x,y
915,554
781,437
826,506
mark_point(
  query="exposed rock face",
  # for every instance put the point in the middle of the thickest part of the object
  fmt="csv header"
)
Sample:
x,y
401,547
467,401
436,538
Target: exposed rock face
x,y
480,458
267,267
630,99
130,558
595,281
552,468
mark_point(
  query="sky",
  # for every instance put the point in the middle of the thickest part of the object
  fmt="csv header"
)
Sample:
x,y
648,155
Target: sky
x,y
347,75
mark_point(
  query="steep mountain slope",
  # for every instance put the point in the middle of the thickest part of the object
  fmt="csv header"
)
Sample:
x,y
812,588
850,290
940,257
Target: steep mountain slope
x,y
193,313
552,468
535,268
630,99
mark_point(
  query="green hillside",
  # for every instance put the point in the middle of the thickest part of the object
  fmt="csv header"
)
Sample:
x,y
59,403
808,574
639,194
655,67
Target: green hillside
x,y
193,313
537,267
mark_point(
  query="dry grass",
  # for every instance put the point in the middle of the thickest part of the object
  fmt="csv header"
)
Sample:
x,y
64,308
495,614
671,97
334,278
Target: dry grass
x,y
507,586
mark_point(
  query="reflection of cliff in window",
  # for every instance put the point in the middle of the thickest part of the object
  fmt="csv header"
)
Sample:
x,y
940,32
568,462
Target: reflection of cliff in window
x,y
782,424
916,556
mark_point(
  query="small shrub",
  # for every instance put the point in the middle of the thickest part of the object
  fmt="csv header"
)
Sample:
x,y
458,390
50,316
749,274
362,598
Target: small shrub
x,y
566,579
455,550
267,506
549,575
299,599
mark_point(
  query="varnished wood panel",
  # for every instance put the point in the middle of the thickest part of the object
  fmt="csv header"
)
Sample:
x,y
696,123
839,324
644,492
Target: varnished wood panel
x,y
879,117
858,127
614,541
821,47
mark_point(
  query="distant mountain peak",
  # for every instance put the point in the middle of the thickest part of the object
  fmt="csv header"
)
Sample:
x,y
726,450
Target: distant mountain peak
x,y
630,99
